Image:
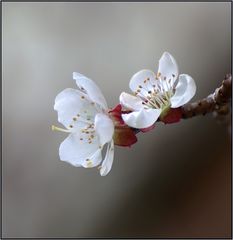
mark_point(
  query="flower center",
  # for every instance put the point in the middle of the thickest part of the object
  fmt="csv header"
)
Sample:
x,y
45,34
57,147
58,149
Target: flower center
x,y
156,92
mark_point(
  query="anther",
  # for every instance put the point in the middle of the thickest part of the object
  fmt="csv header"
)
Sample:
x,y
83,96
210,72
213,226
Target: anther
x,y
82,97
74,118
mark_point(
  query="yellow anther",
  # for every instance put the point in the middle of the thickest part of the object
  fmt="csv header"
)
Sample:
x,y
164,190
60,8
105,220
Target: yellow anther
x,y
89,163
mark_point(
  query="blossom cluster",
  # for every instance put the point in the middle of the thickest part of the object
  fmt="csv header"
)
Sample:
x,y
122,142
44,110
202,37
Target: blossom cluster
x,y
94,129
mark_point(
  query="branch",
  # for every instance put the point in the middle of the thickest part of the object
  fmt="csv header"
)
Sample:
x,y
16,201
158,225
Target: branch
x,y
216,102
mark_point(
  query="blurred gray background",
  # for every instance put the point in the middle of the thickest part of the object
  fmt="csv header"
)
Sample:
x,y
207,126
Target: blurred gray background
x,y
175,182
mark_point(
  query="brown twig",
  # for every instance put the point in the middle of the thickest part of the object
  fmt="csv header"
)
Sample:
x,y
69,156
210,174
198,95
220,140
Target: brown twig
x,y
216,102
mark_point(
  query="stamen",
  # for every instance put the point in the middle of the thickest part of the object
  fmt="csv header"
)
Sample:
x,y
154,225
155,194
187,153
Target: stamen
x,y
54,128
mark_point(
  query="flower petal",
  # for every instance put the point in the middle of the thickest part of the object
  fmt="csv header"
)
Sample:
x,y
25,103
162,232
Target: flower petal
x,y
142,81
104,128
141,119
74,108
108,160
131,102
80,153
185,90
168,67
90,88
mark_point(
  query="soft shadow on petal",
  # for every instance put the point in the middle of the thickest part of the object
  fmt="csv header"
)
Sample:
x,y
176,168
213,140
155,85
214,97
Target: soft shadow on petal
x,y
168,66
185,90
75,151
71,102
93,160
108,160
141,119
144,78
104,128
87,85
130,102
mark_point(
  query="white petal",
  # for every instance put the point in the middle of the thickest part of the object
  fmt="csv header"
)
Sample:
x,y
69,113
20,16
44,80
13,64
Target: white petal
x,y
185,90
141,119
131,102
88,86
168,66
108,160
80,153
104,128
70,103
144,79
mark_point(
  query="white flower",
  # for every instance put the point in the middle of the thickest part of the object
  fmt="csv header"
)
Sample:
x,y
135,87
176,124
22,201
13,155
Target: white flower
x,y
84,113
155,94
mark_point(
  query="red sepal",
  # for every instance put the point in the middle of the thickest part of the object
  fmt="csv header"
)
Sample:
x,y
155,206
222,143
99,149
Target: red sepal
x,y
144,130
174,115
116,114
123,135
